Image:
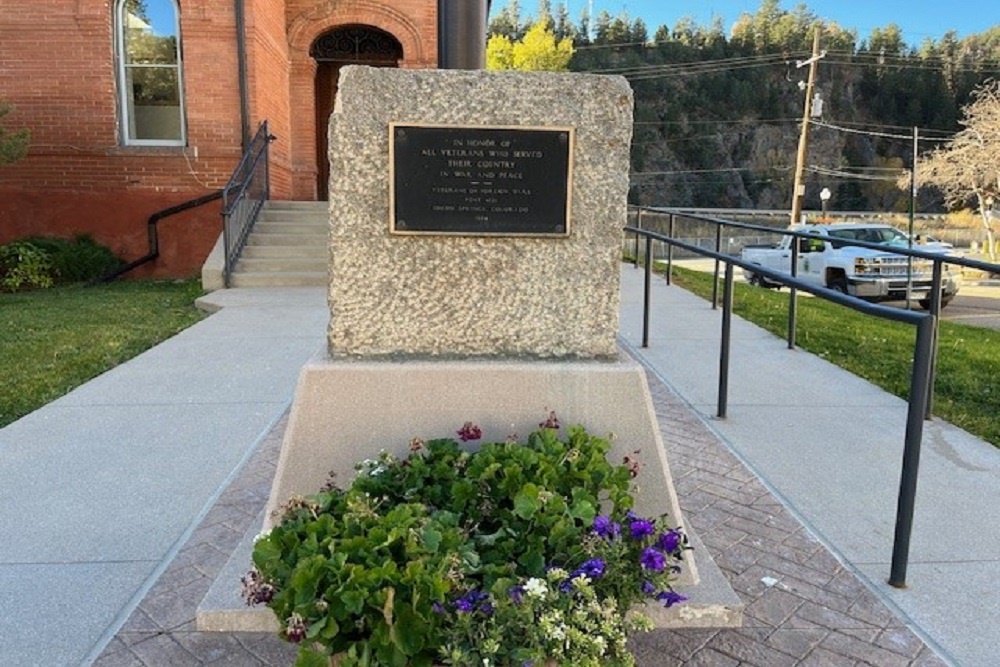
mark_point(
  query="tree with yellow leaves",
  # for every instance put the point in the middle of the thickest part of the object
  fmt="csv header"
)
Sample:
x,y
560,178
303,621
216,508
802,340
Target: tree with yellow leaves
x,y
537,50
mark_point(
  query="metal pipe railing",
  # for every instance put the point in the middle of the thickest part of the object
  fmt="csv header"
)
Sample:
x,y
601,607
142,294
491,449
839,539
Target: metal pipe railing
x,y
244,197
153,236
920,383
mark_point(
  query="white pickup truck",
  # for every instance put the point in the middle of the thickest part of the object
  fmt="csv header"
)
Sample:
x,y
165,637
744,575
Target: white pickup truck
x,y
863,272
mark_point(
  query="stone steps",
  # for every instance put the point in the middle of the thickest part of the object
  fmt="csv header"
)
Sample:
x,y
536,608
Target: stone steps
x,y
287,248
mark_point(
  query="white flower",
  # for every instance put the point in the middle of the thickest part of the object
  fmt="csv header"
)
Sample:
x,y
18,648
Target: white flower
x,y
260,536
535,588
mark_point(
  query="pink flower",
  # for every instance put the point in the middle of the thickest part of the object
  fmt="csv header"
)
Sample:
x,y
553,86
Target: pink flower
x,y
469,431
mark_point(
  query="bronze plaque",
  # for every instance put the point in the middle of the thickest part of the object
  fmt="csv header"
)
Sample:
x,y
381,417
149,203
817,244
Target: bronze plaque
x,y
480,181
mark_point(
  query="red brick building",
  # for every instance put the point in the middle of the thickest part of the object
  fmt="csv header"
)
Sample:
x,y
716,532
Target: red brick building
x,y
135,106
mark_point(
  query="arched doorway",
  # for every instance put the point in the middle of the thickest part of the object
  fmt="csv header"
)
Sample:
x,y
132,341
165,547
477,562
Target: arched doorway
x,y
346,45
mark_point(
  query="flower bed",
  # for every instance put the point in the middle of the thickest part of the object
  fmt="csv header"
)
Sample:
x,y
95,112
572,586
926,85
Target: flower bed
x,y
510,554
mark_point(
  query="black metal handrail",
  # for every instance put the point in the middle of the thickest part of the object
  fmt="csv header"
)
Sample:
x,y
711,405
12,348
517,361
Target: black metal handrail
x,y
153,236
937,259
925,324
244,197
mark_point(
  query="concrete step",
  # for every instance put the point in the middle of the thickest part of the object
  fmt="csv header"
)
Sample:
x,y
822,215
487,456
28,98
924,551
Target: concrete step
x,y
274,279
295,205
712,603
311,219
283,226
258,239
281,265
269,251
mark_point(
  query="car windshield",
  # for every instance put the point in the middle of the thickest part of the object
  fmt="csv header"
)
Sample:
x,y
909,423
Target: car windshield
x,y
884,235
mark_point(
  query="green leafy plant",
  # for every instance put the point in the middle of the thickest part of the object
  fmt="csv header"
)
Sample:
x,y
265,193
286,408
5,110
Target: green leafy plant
x,y
79,259
436,556
24,265
47,261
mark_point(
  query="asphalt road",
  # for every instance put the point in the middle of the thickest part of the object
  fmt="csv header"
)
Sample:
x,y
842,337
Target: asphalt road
x,y
977,305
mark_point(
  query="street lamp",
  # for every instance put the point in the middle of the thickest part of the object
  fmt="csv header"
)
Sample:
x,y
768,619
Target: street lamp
x,y
824,196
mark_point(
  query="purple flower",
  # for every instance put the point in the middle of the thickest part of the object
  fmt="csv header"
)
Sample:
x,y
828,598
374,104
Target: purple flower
x,y
606,528
669,541
593,568
651,559
640,528
474,601
516,594
648,588
670,598
438,608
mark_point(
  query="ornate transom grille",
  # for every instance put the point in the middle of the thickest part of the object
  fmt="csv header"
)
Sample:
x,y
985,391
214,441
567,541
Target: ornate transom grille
x,y
357,43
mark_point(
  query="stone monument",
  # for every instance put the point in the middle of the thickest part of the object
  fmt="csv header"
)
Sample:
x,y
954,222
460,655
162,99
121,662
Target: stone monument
x,y
475,250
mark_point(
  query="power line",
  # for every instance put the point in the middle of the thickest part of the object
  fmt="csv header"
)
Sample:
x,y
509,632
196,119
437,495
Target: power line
x,y
698,171
824,171
870,133
990,68
908,128
695,64
718,122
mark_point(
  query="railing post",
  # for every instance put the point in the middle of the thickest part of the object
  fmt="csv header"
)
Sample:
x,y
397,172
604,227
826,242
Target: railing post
x,y
635,249
267,161
226,266
793,302
727,319
935,310
715,281
647,289
919,385
670,250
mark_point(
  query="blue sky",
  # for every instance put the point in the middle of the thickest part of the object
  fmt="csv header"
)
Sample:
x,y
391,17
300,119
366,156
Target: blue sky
x,y
918,19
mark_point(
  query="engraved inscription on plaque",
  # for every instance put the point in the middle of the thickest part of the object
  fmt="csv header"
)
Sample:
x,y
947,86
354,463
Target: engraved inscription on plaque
x,y
480,181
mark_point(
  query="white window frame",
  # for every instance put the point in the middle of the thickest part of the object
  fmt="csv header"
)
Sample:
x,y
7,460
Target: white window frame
x,y
124,91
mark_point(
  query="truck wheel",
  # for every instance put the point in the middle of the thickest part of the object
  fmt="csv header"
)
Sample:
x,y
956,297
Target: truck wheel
x,y
754,280
838,285
945,300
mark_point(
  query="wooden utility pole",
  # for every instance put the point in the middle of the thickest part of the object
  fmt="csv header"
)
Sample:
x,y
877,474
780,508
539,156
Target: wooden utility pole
x,y
799,189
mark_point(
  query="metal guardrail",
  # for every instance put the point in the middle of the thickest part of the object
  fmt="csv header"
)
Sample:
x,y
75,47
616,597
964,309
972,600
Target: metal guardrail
x,y
924,353
244,197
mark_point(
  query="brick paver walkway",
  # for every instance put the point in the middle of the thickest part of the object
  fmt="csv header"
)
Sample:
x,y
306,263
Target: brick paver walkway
x,y
802,606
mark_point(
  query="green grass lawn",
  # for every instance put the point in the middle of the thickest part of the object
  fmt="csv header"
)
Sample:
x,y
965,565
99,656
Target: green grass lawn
x,y
54,340
51,341
967,388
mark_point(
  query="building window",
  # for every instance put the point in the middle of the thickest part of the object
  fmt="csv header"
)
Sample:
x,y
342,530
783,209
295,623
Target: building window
x,y
149,73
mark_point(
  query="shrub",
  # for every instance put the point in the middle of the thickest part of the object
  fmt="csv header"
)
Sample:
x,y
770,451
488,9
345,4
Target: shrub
x,y
24,265
45,261
78,260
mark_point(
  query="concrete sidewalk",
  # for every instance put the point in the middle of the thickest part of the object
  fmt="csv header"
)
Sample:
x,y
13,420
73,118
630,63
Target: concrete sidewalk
x,y
829,446
123,500
101,488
